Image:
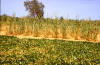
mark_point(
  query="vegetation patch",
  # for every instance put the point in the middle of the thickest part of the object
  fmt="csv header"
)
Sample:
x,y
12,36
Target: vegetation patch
x,y
14,51
51,28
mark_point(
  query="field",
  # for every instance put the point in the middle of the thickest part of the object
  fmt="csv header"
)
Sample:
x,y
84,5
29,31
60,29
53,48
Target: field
x,y
47,41
15,51
45,36
86,30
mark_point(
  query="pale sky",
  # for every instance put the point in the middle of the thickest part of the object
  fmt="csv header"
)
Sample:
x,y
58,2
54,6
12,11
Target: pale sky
x,y
83,9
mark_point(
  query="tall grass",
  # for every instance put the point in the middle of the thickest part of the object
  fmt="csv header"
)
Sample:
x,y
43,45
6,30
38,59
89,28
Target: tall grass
x,y
51,28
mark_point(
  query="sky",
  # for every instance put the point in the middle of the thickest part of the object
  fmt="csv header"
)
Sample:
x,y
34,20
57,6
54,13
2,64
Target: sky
x,y
71,9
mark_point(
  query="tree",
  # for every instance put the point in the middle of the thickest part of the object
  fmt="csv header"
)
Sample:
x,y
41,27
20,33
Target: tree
x,y
61,18
35,8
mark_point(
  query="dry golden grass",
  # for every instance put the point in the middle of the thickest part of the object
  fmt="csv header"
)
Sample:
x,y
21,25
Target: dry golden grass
x,y
51,35
65,29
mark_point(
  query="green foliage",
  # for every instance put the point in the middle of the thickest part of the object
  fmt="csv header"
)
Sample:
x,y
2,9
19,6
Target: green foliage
x,y
47,52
